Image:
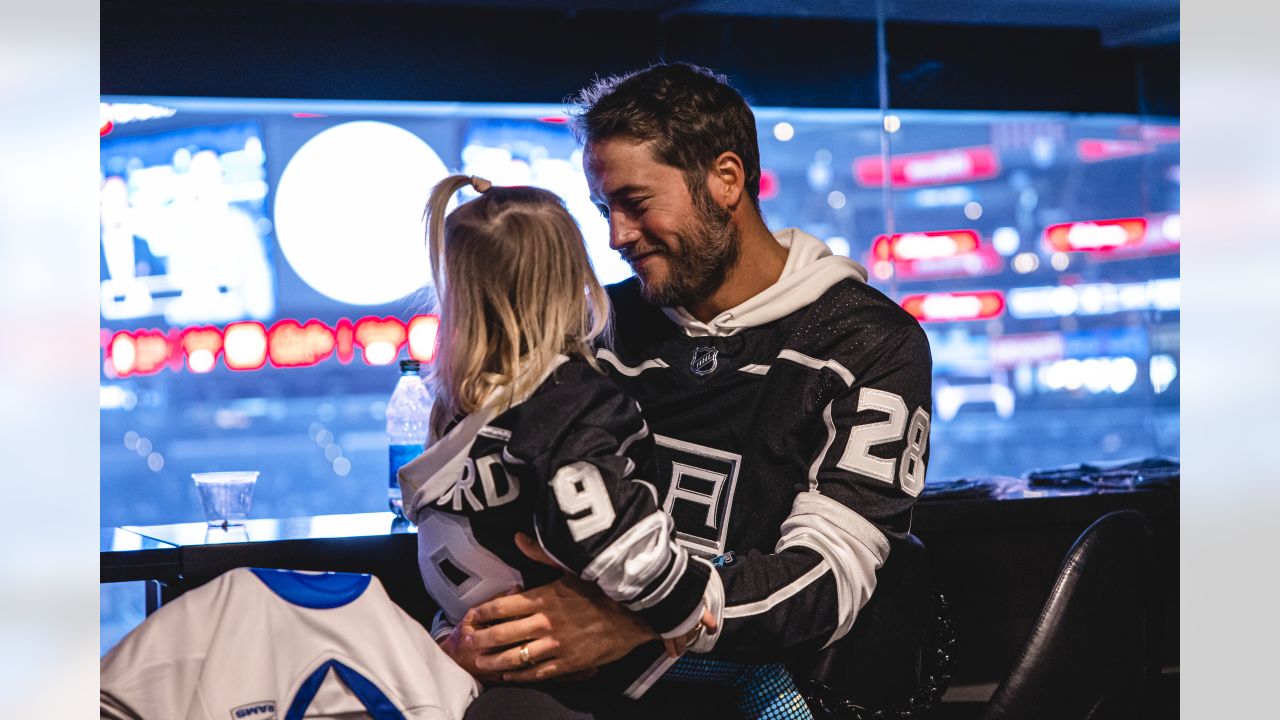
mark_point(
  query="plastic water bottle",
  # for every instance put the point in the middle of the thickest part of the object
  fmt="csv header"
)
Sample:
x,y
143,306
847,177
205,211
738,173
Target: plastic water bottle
x,y
408,420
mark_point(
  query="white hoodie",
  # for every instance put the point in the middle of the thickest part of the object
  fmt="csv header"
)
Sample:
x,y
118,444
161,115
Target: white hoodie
x,y
810,271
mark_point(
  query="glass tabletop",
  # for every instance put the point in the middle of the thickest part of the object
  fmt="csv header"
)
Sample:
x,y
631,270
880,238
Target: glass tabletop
x,y
124,540
274,529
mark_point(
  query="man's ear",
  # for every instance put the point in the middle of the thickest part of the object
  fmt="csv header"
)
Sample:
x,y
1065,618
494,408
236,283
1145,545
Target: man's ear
x,y
727,180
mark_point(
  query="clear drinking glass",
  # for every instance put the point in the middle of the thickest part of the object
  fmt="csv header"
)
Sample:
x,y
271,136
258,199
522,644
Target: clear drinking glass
x,y
226,496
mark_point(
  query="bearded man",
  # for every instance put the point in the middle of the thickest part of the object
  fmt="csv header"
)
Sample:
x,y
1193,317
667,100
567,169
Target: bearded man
x,y
790,404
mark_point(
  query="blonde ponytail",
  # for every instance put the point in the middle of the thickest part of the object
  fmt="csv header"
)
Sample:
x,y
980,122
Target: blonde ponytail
x,y
441,194
514,288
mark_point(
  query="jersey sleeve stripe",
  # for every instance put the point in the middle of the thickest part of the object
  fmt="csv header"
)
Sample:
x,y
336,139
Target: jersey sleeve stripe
x,y
629,371
852,546
713,601
649,676
816,364
660,593
640,434
635,560
831,438
767,604
755,369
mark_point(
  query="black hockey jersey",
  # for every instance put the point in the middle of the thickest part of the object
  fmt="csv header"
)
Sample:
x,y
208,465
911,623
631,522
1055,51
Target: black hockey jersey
x,y
568,465
791,439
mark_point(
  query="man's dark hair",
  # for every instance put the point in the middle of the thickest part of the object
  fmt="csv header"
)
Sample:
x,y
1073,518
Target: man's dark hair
x,y
690,115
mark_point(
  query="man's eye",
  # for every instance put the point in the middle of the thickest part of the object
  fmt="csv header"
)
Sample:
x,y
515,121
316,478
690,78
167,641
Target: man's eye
x,y
604,210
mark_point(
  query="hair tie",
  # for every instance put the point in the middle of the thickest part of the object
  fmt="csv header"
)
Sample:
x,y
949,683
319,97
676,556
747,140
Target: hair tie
x,y
480,184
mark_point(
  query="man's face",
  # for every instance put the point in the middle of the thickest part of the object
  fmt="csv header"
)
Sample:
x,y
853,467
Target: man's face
x,y
680,249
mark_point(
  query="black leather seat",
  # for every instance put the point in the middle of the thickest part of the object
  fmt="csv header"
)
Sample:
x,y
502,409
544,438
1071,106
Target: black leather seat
x,y
1090,653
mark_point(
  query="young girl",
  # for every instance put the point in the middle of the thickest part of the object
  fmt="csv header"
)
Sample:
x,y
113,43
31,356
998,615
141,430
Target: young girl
x,y
528,435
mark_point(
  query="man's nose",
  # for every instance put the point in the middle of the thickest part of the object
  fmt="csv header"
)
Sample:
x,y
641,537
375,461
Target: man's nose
x,y
622,231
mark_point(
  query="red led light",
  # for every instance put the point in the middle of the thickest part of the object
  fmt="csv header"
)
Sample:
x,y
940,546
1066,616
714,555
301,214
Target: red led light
x,y
422,337
290,344
929,168
249,345
768,184
956,306
380,339
926,245
244,345
345,338
304,115
201,345
554,119
106,127
122,354
1095,235
1097,149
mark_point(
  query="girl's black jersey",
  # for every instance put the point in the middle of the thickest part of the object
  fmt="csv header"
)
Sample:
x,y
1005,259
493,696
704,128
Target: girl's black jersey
x,y
570,466
790,451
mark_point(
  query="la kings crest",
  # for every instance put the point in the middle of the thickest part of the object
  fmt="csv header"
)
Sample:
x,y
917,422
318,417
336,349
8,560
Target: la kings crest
x,y
700,495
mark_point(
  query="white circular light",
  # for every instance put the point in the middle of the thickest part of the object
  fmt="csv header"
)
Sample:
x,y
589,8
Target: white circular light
x,y
973,210
1124,371
1063,300
839,246
379,353
892,123
348,211
1059,261
1006,240
1025,262
201,360
784,131
835,199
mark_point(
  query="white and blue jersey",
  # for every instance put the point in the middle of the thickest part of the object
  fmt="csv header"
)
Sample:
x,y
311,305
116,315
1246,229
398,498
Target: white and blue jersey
x,y
256,644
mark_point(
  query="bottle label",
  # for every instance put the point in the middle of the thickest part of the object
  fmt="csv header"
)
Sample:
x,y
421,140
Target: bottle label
x,y
400,455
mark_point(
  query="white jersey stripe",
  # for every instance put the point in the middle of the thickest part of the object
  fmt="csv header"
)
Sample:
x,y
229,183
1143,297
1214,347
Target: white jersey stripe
x,y
852,546
663,590
609,357
817,364
760,606
831,437
638,435
633,561
650,676
754,369
713,601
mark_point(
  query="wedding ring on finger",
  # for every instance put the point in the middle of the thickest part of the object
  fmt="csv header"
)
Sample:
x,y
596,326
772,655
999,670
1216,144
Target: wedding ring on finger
x,y
525,660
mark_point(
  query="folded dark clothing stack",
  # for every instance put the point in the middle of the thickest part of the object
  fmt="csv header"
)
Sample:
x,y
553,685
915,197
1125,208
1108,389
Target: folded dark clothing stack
x,y
1112,475
959,489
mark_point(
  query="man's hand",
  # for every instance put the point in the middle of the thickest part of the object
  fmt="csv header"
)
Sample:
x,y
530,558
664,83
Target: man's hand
x,y
464,654
676,646
570,628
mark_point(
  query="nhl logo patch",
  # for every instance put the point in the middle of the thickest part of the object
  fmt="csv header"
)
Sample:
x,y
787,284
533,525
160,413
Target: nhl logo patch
x,y
704,361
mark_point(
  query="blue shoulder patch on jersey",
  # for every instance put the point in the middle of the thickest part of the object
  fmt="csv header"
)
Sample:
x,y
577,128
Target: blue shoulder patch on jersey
x,y
319,592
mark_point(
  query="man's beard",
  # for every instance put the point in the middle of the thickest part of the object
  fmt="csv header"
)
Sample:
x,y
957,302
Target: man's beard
x,y
708,251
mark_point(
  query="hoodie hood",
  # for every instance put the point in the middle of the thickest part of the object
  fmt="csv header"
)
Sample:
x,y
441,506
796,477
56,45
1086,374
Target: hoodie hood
x,y
810,271
442,465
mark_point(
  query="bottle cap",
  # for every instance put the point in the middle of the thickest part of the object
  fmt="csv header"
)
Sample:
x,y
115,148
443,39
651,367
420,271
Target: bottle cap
x,y
409,366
